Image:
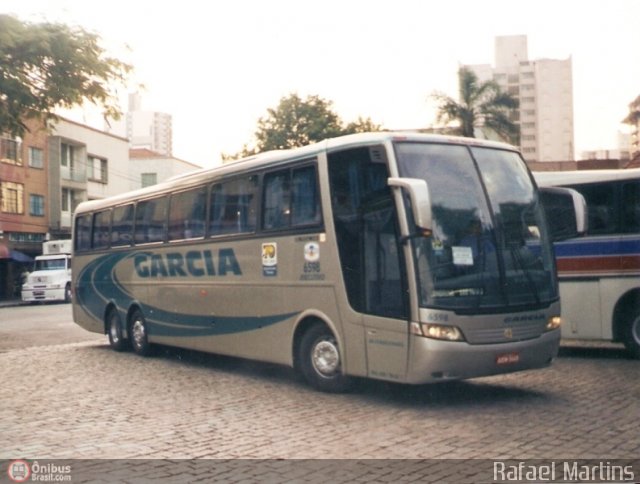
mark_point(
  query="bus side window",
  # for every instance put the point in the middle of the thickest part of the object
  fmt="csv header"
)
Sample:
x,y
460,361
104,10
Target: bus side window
x,y
101,228
600,207
631,207
187,214
82,234
122,226
305,201
233,206
151,221
276,206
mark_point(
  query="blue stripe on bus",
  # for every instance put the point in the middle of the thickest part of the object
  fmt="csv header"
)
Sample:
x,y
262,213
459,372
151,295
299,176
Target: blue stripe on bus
x,y
600,247
98,285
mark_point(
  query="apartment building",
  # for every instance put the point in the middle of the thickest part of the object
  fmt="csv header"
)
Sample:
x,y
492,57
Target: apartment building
x,y
544,88
43,177
23,202
151,130
148,167
84,164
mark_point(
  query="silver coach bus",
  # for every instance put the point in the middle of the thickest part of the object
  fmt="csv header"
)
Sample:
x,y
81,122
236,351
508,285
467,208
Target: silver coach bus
x,y
398,256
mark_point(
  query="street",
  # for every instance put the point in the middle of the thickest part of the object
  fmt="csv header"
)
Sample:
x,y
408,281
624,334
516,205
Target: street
x,y
67,395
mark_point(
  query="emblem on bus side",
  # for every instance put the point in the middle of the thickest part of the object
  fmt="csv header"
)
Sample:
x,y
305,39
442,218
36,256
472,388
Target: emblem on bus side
x,y
269,259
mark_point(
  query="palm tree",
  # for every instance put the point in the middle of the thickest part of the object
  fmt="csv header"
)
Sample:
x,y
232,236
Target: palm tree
x,y
482,104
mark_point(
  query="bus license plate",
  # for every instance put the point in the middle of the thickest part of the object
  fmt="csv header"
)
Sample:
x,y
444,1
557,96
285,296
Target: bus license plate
x,y
508,358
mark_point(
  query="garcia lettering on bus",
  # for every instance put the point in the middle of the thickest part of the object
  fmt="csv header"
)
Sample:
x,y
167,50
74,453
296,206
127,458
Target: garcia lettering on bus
x,y
194,263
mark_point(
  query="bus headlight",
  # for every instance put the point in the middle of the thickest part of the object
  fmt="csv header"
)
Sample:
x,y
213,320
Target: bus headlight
x,y
554,322
437,331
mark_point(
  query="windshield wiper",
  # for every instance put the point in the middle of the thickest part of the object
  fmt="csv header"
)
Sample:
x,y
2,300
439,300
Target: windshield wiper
x,y
519,262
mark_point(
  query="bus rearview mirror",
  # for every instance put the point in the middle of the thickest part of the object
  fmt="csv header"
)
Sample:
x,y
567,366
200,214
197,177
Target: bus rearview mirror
x,y
418,192
566,211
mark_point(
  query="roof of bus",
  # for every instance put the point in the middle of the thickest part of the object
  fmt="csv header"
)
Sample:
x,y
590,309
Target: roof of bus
x,y
579,177
274,157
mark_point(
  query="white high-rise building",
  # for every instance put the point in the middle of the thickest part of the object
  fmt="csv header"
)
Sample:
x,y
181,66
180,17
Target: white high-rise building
x,y
544,88
148,129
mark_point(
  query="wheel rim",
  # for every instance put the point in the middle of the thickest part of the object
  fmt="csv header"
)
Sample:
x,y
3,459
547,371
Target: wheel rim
x,y
114,330
635,330
326,357
138,331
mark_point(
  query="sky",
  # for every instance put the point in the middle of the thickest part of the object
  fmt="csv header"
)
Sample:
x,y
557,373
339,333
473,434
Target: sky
x,y
217,67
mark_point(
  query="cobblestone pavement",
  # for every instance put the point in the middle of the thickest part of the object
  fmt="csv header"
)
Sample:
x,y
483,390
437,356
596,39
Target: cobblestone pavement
x,y
85,401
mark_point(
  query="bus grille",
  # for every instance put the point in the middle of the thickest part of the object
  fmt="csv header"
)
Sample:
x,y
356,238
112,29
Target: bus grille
x,y
504,335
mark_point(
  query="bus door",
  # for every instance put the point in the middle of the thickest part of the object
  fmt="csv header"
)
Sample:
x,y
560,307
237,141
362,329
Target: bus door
x,y
371,258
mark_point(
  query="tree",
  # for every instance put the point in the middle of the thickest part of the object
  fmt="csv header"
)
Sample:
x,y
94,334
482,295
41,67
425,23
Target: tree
x,y
47,66
361,125
296,122
633,118
299,122
481,104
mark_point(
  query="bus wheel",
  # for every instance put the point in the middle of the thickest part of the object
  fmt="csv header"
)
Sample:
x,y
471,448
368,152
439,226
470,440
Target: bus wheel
x,y
67,293
319,358
139,334
632,333
114,330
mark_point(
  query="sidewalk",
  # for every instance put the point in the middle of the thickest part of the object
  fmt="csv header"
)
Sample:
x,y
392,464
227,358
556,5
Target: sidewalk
x,y
7,303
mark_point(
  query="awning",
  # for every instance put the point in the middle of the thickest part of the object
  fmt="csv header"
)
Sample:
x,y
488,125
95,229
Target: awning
x,y
7,253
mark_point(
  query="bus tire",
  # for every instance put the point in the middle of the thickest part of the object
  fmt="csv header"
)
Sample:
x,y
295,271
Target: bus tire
x,y
139,334
320,362
67,293
631,333
114,330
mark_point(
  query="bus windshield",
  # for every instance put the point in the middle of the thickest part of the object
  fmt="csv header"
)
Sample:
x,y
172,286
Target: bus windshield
x,y
488,249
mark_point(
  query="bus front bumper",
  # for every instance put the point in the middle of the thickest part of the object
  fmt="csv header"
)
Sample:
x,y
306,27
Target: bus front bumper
x,y
438,361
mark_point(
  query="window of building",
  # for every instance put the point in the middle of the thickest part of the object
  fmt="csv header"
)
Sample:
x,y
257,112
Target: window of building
x,y
10,151
12,200
36,157
233,206
65,202
36,205
148,179
66,155
151,221
187,213
97,169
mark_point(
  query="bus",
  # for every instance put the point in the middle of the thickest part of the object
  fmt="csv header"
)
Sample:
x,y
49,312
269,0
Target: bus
x,y
396,256
600,271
